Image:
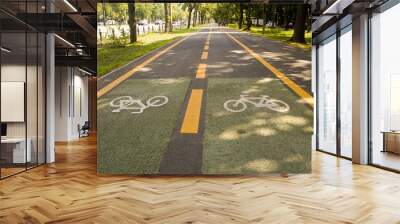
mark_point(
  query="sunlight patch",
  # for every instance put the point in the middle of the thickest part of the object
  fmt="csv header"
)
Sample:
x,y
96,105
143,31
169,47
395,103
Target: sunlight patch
x,y
229,135
252,90
239,51
262,165
308,129
259,122
265,132
290,119
294,158
265,80
145,69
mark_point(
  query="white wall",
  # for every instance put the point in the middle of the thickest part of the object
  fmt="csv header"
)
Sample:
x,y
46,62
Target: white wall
x,y
71,102
14,73
62,81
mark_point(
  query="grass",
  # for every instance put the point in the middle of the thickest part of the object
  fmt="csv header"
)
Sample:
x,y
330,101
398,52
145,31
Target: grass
x,y
135,143
256,140
279,34
110,57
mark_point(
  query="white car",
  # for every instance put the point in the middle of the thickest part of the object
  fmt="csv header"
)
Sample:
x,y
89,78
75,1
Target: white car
x,y
111,22
142,22
159,22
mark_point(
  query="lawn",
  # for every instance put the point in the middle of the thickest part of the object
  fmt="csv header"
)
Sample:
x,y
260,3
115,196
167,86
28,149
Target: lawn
x,y
110,56
257,140
279,34
135,143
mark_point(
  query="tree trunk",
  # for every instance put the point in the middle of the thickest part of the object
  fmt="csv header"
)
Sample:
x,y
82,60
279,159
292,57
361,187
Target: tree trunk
x,y
248,17
132,22
166,18
170,17
273,16
264,17
189,17
240,16
285,18
300,24
194,18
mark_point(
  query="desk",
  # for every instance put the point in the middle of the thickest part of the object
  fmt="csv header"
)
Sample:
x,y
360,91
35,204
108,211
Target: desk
x,y
391,141
17,150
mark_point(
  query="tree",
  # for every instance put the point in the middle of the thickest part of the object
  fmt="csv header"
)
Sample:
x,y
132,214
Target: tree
x,y
189,7
195,14
264,17
166,17
170,17
300,24
132,22
248,17
240,22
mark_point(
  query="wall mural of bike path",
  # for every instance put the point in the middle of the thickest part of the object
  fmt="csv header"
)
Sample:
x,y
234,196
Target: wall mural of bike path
x,y
255,125
136,121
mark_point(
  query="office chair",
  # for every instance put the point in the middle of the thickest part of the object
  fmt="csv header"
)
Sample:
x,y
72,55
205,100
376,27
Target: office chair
x,y
84,130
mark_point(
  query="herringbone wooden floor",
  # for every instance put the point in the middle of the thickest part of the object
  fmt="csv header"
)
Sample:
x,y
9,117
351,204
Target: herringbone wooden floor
x,y
69,191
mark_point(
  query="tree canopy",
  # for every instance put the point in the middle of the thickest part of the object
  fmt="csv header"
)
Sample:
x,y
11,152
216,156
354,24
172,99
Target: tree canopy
x,y
287,17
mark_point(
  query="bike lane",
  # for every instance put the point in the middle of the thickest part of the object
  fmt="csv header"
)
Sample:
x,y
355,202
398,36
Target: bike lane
x,y
135,143
263,137
257,139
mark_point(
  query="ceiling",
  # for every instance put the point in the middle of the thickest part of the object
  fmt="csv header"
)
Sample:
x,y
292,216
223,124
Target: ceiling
x,y
74,22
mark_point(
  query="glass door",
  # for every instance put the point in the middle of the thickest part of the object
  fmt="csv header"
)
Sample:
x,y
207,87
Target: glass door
x,y
326,116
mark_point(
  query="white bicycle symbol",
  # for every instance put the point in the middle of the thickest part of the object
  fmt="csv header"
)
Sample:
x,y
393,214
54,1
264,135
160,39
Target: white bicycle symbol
x,y
240,104
137,107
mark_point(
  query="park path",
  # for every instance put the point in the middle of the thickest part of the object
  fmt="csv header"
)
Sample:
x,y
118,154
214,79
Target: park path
x,y
212,53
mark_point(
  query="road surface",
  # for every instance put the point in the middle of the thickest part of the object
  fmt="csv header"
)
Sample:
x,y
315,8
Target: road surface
x,y
215,102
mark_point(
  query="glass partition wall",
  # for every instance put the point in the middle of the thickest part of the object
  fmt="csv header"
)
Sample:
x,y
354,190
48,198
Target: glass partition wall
x,y
334,94
22,77
327,95
385,89
345,90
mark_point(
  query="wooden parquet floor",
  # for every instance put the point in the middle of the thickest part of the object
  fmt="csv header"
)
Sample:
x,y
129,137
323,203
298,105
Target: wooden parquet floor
x,y
70,191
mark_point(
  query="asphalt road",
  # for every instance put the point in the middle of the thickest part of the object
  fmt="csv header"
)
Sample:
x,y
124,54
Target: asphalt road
x,y
213,52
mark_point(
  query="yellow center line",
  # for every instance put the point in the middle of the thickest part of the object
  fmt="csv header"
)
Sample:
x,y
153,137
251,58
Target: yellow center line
x,y
201,71
128,74
204,55
292,85
191,120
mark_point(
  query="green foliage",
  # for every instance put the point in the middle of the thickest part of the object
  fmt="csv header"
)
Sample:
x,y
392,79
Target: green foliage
x,y
280,34
115,11
112,55
148,11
